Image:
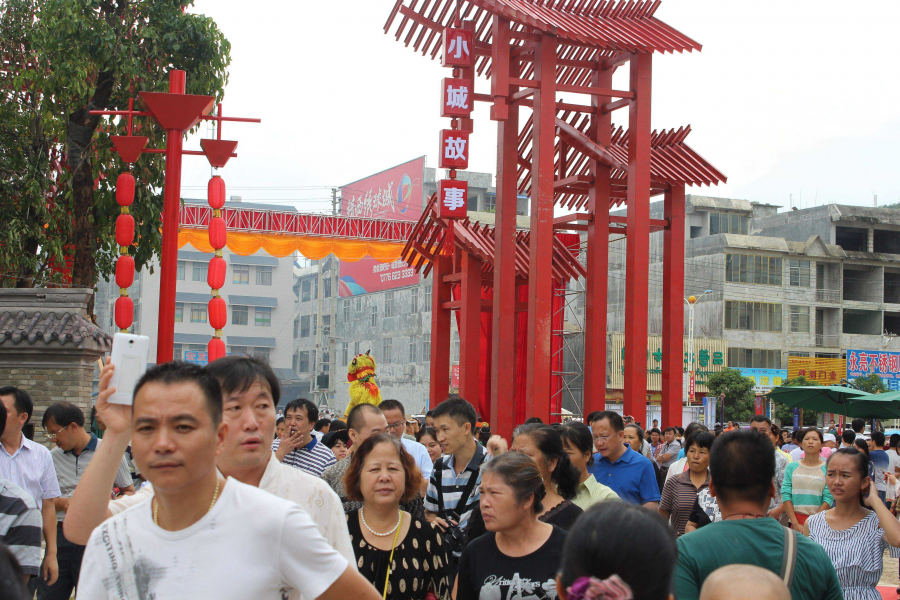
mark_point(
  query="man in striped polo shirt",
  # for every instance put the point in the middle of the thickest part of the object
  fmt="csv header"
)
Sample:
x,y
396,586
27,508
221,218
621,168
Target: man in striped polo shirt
x,y
445,506
300,448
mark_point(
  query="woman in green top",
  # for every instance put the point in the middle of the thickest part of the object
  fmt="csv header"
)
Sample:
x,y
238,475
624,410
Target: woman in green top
x,y
803,491
578,443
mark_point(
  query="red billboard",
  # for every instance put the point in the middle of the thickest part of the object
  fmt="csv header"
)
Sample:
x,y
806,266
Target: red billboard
x,y
397,194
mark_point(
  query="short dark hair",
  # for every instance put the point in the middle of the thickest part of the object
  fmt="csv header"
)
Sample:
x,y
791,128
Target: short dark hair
x,y
426,431
858,425
21,400
279,421
804,432
655,430
694,426
521,474
895,440
761,419
337,425
356,420
617,538
412,474
181,372
549,442
63,414
2,418
848,436
878,438
579,436
614,418
312,412
533,421
429,414
668,429
592,416
392,405
237,373
330,439
457,409
322,423
742,465
704,439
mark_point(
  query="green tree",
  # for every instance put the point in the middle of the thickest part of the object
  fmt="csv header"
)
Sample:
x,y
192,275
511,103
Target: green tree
x,y
785,414
57,175
871,383
738,390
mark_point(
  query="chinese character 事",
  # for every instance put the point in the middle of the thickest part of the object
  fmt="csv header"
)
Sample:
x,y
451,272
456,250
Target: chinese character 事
x,y
455,97
453,196
454,153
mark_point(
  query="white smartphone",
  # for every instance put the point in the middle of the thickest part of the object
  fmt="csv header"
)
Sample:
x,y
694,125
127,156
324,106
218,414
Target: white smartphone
x,y
129,355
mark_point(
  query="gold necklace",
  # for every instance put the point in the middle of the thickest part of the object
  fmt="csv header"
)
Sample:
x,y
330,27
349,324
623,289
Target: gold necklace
x,y
212,502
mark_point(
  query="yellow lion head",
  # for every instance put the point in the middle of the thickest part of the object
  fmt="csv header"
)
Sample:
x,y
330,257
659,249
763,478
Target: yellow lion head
x,y
361,367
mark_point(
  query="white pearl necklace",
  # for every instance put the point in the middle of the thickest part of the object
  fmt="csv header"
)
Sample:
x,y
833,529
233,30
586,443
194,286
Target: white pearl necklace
x,y
362,517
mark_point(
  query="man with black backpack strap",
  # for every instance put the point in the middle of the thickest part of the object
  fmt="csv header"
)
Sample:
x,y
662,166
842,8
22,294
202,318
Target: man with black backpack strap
x,y
453,489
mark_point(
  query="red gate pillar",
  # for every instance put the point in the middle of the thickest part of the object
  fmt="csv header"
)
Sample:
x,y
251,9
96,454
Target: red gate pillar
x,y
503,329
673,307
637,259
540,282
440,329
597,282
470,329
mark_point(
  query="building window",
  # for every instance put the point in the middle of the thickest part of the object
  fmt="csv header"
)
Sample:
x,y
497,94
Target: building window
x,y
386,348
374,315
797,353
263,275
752,358
303,361
412,350
326,325
326,361
296,329
799,319
728,223
240,274
180,270
426,347
315,324
176,352
240,314
345,350
198,313
799,276
414,300
295,363
198,272
304,326
179,312
426,306
306,290
240,350
345,305
261,353
761,270
752,316
454,347
263,316
355,349
388,304
326,287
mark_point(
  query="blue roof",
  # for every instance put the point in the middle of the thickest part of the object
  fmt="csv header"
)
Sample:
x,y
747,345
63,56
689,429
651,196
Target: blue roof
x,y
192,338
252,301
236,340
263,261
192,297
194,255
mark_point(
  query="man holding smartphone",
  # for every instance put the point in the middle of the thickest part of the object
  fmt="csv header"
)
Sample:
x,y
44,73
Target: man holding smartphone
x,y
191,539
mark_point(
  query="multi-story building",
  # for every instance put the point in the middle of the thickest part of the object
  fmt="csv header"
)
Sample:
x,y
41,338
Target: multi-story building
x,y
258,291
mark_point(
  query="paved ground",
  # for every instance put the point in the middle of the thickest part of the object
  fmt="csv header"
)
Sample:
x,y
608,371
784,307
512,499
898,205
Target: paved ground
x,y
889,578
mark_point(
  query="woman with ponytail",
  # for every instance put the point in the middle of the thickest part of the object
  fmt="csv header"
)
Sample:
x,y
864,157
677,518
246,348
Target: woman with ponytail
x,y
856,532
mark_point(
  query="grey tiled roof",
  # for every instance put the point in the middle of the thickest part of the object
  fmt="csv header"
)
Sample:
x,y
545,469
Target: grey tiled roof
x,y
65,328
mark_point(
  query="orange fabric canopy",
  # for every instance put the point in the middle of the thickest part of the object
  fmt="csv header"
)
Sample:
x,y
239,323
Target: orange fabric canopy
x,y
312,247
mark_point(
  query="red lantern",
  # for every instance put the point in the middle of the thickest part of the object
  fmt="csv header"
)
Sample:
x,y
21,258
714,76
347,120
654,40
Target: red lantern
x,y
215,191
124,230
215,349
215,275
124,312
217,234
218,313
125,189
125,271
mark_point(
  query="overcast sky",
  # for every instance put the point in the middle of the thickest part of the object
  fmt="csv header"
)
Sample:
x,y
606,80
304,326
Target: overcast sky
x,y
788,97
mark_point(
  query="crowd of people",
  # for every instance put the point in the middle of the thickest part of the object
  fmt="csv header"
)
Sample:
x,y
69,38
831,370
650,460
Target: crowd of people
x,y
201,489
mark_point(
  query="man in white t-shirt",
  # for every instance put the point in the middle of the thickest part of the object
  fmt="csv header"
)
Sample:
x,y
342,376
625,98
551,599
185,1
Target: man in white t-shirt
x,y
199,536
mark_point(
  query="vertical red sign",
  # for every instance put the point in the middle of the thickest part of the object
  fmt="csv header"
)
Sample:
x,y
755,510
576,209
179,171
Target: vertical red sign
x,y
459,48
456,97
453,199
454,150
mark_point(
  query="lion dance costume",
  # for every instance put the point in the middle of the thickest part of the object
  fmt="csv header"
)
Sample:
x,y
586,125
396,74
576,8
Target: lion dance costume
x,y
363,389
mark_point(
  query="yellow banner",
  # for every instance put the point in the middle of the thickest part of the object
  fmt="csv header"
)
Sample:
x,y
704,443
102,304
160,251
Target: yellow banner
x,y
824,371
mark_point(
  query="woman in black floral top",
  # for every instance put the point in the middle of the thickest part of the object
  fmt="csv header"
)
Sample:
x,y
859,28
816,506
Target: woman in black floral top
x,y
394,550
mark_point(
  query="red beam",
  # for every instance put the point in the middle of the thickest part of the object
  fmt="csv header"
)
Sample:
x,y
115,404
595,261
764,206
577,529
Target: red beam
x,y
637,258
654,223
612,106
673,307
440,330
540,277
470,328
584,145
572,218
594,91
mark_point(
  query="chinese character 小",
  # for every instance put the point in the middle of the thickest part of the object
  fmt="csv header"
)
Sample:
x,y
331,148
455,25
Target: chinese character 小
x,y
459,47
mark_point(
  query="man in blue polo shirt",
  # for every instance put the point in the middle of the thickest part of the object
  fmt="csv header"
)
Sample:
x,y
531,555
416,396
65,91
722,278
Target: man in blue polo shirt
x,y
616,465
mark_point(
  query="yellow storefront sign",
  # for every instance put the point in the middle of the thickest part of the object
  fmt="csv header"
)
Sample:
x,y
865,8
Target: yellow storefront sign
x,y
823,371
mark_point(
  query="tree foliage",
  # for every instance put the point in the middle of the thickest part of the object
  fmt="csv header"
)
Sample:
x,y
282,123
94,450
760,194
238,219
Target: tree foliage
x,y
785,414
738,391
57,165
871,383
